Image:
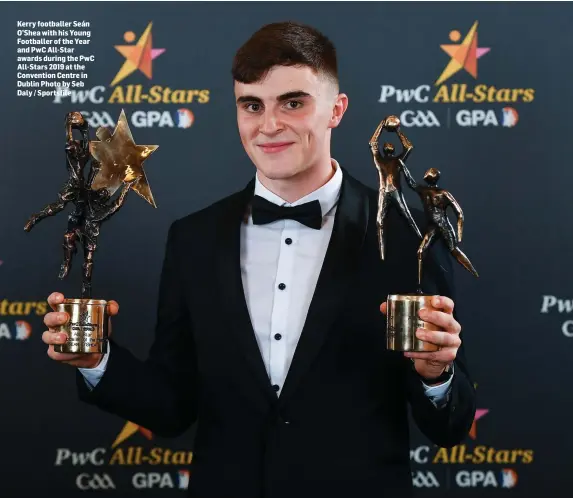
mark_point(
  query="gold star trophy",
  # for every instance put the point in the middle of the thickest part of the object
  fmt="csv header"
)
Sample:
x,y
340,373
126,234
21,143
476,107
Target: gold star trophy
x,y
115,162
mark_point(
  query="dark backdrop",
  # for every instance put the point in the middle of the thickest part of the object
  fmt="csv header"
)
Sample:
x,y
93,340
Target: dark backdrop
x,y
513,180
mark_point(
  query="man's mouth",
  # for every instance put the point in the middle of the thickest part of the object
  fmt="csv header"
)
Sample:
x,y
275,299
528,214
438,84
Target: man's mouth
x,y
272,148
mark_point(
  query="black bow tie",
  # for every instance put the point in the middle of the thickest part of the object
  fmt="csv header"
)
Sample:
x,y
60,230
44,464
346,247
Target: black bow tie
x,y
308,214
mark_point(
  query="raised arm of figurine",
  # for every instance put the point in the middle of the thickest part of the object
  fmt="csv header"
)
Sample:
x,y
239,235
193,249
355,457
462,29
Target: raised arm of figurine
x,y
406,144
409,178
374,140
76,150
116,205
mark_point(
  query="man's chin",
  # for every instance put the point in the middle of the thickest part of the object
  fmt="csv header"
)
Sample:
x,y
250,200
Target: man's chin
x,y
276,176
278,173
278,170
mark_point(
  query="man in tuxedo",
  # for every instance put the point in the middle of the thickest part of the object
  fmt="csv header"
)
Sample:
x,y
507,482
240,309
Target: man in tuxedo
x,y
270,327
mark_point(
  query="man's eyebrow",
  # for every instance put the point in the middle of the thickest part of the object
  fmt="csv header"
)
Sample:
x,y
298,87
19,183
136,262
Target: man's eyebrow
x,y
292,95
281,98
249,98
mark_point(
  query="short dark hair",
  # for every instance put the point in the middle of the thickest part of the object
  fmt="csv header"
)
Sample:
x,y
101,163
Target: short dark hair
x,y
284,44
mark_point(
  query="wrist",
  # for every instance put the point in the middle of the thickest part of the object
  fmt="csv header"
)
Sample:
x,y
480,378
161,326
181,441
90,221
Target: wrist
x,y
93,362
435,379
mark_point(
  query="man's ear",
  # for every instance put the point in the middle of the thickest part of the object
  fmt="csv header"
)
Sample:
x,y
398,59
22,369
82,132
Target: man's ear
x,y
340,106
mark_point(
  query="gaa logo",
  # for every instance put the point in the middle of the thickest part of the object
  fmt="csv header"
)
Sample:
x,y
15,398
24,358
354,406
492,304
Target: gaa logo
x,y
96,119
87,482
427,479
420,119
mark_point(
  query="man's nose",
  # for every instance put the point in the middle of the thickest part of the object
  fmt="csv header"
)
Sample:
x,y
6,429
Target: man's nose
x,y
270,123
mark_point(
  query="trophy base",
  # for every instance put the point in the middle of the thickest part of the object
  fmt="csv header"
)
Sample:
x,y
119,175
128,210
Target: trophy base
x,y
87,328
402,322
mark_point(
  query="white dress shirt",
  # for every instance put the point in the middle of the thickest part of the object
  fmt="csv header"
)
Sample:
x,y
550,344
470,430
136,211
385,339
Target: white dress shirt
x,y
280,265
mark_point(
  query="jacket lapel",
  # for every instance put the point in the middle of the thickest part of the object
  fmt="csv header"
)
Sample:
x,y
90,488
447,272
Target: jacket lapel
x,y
230,285
348,234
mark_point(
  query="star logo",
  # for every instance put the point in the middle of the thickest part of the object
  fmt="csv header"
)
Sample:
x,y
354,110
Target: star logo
x,y
480,412
138,56
129,429
463,55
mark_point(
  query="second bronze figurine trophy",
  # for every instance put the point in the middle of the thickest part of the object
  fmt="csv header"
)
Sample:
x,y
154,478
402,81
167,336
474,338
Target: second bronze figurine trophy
x,y
402,309
115,160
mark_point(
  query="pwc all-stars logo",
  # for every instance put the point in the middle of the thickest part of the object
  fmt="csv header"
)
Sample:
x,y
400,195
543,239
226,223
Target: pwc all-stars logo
x,y
138,61
458,81
153,466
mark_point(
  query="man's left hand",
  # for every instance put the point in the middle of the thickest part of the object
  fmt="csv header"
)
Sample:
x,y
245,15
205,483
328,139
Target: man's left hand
x,y
431,365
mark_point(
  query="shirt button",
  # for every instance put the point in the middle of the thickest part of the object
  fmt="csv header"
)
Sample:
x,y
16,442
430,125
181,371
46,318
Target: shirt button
x,y
282,286
288,241
278,337
276,387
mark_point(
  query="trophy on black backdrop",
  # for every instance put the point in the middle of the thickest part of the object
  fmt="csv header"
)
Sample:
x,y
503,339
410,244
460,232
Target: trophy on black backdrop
x,y
116,162
389,167
402,309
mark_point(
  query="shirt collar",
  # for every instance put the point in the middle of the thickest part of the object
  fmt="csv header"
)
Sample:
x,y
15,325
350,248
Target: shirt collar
x,y
327,195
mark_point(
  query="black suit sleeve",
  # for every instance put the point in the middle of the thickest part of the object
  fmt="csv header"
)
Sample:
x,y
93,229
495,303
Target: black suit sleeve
x,y
160,393
449,425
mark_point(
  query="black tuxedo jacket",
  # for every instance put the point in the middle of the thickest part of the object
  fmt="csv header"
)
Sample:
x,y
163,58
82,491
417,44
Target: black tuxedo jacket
x,y
340,425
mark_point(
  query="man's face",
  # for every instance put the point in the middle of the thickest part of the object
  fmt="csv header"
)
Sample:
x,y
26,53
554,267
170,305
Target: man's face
x,y
285,120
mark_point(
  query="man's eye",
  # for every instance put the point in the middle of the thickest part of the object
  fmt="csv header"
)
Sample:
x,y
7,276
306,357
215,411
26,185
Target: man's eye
x,y
253,107
294,104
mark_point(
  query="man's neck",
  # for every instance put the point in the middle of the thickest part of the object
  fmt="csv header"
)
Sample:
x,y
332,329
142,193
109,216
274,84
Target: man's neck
x,y
296,187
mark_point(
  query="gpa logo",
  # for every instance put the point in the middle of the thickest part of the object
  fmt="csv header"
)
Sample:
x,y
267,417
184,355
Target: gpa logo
x,y
20,331
160,480
509,117
506,478
474,118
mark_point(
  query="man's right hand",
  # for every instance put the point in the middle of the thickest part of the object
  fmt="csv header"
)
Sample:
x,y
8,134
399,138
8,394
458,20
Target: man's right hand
x,y
51,337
